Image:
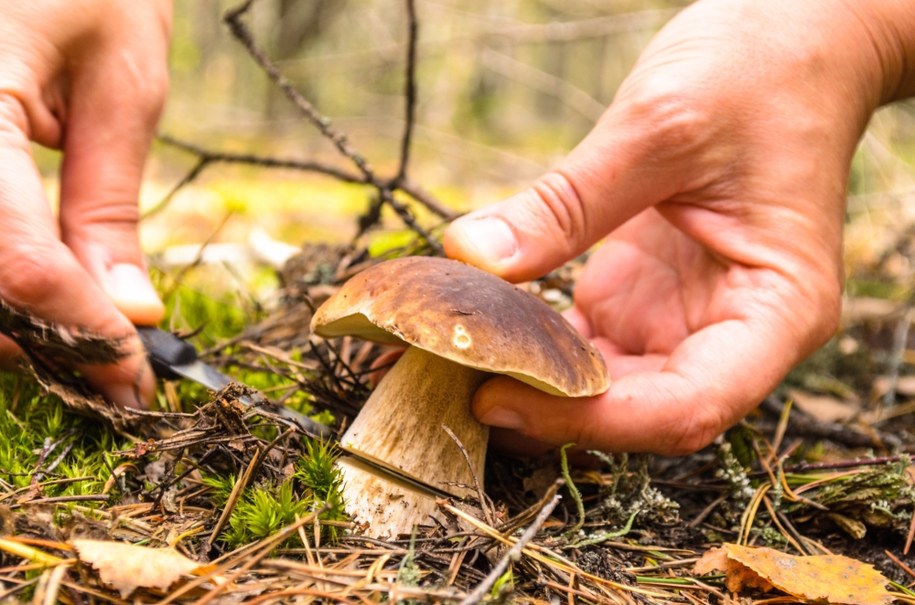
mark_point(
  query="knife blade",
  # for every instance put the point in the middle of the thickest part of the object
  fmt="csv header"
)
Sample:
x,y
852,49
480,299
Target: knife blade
x,y
174,358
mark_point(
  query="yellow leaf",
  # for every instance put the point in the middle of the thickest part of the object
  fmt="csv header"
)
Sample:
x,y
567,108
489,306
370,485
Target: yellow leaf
x,y
830,579
127,567
739,576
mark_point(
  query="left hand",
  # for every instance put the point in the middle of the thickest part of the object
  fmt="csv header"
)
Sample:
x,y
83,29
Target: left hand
x,y
88,77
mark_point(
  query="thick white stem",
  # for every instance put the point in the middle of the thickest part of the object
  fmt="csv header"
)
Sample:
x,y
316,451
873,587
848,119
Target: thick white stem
x,y
400,428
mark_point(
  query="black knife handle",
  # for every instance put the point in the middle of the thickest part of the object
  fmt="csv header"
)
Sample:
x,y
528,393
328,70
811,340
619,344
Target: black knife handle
x,y
165,350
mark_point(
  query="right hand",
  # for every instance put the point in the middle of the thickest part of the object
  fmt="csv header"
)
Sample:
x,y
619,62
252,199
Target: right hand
x,y
88,77
717,180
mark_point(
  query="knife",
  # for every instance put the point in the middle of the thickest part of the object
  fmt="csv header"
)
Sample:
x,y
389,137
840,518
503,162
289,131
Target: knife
x,y
174,358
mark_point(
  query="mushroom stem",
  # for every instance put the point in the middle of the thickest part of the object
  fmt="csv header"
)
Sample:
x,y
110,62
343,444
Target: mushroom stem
x,y
400,428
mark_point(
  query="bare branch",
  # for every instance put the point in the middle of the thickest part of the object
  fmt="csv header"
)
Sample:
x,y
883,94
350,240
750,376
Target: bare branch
x,y
324,125
409,91
206,157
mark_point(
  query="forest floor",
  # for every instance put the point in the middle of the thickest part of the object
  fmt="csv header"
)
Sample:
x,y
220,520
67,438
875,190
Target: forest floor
x,y
227,503
207,498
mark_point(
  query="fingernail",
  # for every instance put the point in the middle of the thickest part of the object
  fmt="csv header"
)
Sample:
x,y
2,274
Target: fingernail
x,y
490,238
129,287
502,418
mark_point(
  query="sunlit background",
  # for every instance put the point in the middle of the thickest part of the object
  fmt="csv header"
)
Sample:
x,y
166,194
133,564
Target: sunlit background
x,y
504,90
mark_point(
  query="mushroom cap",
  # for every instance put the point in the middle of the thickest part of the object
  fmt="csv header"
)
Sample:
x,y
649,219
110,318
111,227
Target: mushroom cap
x,y
467,316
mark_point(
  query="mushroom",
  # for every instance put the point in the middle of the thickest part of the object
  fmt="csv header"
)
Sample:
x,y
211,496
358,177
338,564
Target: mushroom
x,y
461,326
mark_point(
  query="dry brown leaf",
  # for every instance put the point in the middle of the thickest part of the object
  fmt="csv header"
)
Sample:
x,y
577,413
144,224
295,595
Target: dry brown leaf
x,y
825,408
830,579
127,567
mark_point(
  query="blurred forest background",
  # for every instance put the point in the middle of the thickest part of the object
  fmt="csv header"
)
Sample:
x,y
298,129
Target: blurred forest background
x,y
504,89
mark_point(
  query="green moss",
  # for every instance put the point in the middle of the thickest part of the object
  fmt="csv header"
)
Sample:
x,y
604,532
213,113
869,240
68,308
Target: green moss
x,y
262,511
48,450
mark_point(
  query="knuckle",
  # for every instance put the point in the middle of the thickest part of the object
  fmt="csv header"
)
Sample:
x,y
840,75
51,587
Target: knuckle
x,y
559,201
674,117
113,205
148,86
694,431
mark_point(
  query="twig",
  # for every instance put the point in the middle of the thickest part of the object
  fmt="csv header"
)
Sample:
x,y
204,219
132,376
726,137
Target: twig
x,y
233,19
513,554
607,535
75,498
187,179
478,485
324,125
804,425
900,563
841,464
409,91
207,157
232,500
40,473
226,157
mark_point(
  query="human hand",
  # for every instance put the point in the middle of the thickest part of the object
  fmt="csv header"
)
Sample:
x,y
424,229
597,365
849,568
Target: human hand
x,y
719,173
88,77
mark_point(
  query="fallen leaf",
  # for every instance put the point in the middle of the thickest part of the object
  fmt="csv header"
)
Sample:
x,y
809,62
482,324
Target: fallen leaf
x,y
830,579
127,567
739,576
825,408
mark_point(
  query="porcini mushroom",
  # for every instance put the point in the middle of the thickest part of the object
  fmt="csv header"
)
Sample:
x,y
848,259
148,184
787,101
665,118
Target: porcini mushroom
x,y
462,325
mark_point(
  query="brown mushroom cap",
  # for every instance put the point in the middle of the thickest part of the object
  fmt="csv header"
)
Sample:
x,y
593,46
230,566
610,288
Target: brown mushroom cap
x,y
467,316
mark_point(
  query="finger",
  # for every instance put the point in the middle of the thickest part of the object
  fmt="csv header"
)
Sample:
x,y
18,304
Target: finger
x,y
642,152
10,354
704,387
108,137
40,275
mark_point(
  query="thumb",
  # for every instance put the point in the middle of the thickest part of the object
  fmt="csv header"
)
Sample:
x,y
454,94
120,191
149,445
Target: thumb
x,y
622,167
529,233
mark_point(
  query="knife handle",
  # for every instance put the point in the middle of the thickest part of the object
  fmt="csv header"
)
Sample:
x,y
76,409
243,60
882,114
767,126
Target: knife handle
x,y
165,351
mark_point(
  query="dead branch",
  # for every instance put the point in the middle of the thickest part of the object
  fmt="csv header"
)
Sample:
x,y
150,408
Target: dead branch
x,y
323,124
208,157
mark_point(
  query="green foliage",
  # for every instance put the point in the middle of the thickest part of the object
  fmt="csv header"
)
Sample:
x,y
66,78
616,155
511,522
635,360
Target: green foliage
x,y
732,471
503,586
628,494
409,573
319,476
573,489
262,511
43,446
209,313
221,487
879,496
